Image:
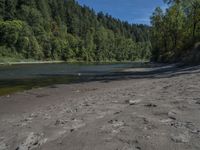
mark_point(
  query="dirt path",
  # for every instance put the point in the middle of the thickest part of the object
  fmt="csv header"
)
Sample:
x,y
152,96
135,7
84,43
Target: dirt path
x,y
156,110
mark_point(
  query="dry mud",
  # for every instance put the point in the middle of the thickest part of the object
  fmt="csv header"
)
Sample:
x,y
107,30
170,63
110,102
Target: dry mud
x,y
155,110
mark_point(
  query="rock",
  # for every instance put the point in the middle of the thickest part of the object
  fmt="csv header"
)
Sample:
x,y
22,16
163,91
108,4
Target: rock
x,y
166,120
131,148
28,119
116,113
33,115
76,124
133,102
172,115
34,140
181,138
60,122
151,105
47,116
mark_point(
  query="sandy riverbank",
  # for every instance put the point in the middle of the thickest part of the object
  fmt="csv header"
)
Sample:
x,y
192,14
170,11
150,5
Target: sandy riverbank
x,y
30,62
157,109
72,61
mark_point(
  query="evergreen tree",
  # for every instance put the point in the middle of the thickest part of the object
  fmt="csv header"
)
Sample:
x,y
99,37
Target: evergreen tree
x,y
2,8
63,29
176,33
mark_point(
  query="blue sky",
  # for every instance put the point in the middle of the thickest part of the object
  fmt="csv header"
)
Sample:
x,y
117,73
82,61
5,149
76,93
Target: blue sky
x,y
133,11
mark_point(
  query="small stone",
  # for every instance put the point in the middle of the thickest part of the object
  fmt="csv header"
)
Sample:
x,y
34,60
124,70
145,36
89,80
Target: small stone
x,y
166,120
133,102
172,115
60,122
47,116
118,112
33,115
72,130
151,105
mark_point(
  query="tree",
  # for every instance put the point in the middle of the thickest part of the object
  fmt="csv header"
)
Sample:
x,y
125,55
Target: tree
x,y
194,14
9,32
10,9
63,29
89,46
2,8
175,33
158,37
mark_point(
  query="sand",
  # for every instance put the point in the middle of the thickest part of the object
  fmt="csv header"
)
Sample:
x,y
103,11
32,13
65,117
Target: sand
x,y
143,109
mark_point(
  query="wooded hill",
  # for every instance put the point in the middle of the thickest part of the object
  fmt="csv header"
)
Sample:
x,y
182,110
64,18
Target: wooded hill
x,y
64,30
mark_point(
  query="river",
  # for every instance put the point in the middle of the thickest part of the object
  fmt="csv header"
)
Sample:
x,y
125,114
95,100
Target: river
x,y
15,78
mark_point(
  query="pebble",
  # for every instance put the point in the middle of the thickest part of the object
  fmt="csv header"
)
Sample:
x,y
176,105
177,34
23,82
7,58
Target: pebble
x,y
172,115
131,148
133,102
61,122
151,105
47,116
166,120
34,115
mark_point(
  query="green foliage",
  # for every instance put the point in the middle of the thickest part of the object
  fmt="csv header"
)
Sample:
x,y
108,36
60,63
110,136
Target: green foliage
x,y
175,33
64,30
9,32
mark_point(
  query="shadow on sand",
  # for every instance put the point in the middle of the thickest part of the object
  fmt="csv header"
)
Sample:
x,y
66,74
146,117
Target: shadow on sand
x,y
162,71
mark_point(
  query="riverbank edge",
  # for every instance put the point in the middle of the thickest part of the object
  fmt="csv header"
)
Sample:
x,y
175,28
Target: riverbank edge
x,y
31,62
60,61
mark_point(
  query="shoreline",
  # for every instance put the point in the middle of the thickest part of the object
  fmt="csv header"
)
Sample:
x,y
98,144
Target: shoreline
x,y
60,61
31,62
147,72
151,112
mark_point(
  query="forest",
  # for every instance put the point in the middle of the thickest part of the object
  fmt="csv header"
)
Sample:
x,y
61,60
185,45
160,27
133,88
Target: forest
x,y
175,32
65,30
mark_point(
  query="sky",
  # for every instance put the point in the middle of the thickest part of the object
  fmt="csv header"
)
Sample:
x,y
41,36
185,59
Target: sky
x,y
133,11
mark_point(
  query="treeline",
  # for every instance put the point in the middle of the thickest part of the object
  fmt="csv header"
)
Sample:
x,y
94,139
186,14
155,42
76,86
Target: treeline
x,y
175,34
64,30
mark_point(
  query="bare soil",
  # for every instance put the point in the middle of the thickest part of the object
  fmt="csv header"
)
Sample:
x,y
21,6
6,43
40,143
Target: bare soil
x,y
138,109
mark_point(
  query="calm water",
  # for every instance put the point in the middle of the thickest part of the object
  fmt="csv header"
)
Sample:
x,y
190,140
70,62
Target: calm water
x,y
22,77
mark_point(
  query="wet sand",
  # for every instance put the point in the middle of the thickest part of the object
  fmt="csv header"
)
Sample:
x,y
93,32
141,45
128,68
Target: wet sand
x,y
137,109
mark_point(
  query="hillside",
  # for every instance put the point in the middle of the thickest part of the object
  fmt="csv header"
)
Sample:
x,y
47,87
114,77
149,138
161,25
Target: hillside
x,y
65,30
